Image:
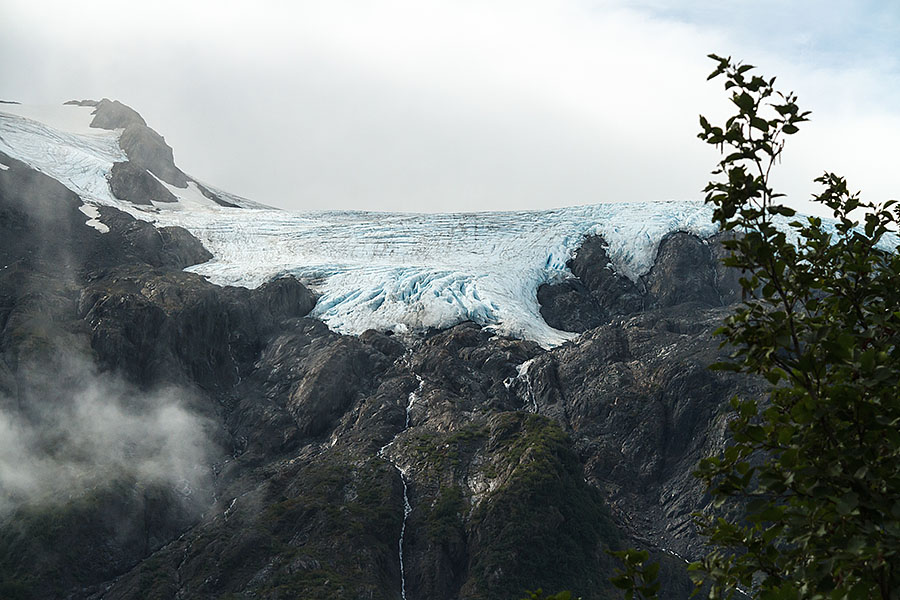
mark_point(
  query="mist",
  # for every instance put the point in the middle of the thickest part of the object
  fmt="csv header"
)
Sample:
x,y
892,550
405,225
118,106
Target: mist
x,y
83,429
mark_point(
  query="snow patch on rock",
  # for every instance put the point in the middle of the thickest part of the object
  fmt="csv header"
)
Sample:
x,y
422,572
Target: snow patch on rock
x,y
93,215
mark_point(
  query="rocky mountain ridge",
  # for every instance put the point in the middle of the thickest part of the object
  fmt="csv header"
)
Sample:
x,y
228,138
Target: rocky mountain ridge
x,y
519,465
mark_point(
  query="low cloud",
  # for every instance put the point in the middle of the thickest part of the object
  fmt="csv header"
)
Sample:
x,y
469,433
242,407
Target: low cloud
x,y
71,432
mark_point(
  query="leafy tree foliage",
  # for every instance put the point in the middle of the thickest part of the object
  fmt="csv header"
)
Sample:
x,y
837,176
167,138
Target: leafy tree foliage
x,y
638,579
817,464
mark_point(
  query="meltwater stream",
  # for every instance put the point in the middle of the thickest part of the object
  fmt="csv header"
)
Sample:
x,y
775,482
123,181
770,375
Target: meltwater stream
x,y
407,507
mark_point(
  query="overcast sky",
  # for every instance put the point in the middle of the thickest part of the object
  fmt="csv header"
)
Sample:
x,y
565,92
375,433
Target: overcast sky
x,y
433,105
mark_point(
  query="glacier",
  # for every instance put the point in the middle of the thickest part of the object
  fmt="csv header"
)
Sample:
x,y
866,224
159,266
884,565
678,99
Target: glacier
x,y
372,270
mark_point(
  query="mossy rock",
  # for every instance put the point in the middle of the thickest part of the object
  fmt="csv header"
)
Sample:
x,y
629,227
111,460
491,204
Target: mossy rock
x,y
545,527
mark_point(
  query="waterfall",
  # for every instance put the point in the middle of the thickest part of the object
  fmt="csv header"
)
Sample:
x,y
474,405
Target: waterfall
x,y
524,375
407,507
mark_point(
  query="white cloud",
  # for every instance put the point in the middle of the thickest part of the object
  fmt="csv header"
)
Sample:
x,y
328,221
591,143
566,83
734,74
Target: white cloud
x,y
439,105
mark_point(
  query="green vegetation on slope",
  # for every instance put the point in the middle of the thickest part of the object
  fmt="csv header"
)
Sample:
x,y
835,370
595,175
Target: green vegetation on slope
x,y
545,527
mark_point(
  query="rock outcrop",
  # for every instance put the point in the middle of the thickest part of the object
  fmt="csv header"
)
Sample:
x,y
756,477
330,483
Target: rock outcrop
x,y
127,181
144,148
149,157
687,270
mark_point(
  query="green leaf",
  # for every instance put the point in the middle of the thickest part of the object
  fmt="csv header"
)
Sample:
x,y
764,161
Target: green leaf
x,y
847,503
759,123
744,101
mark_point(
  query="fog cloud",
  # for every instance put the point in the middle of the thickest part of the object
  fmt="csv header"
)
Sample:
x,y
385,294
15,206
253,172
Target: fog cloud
x,y
78,430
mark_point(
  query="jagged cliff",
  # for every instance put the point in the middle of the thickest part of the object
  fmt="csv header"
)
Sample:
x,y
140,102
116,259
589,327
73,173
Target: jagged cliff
x,y
192,440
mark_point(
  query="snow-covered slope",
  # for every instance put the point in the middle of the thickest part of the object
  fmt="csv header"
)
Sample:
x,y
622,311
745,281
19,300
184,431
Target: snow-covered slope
x,y
393,271
373,270
68,150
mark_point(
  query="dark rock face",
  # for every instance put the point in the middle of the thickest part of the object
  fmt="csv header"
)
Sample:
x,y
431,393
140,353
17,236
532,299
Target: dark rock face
x,y
522,466
570,306
592,266
728,279
136,185
145,149
316,376
155,324
41,210
644,407
595,295
156,246
686,270
148,150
